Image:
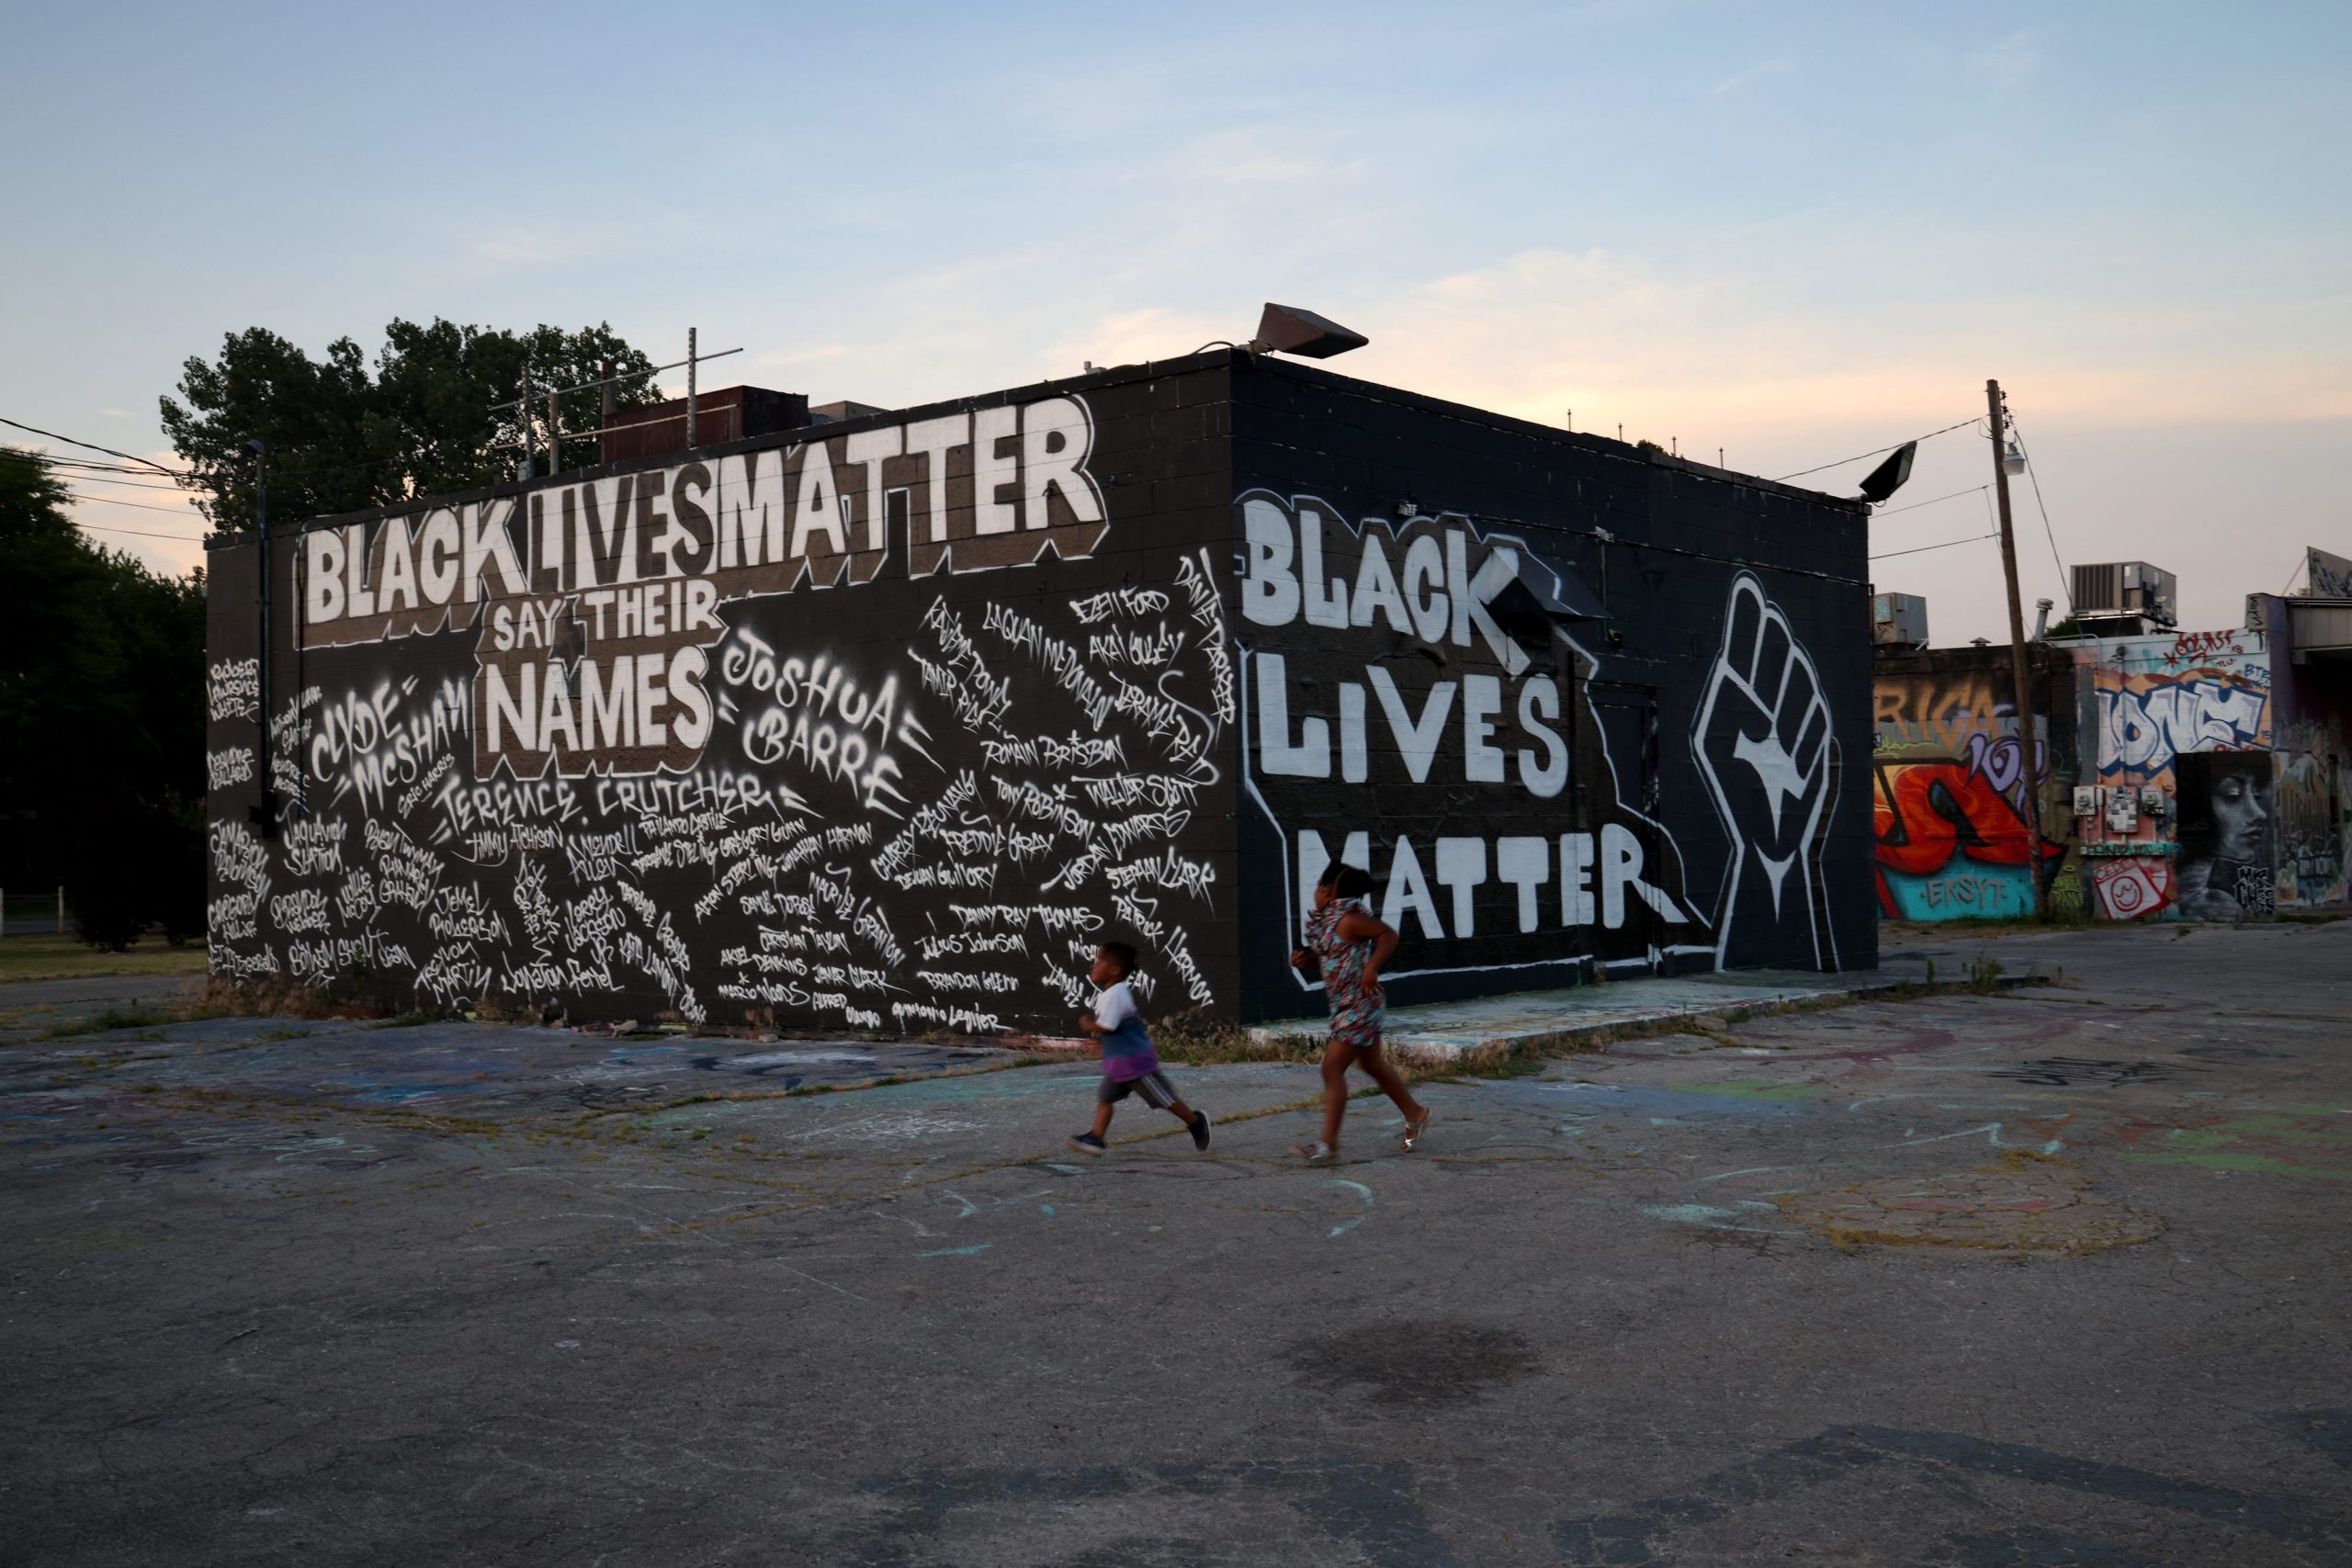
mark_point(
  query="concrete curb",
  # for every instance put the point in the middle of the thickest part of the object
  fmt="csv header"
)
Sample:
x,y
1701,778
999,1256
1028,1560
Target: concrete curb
x,y
1447,1032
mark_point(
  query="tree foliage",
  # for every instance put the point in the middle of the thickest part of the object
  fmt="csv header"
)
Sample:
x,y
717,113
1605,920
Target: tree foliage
x,y
101,714
343,437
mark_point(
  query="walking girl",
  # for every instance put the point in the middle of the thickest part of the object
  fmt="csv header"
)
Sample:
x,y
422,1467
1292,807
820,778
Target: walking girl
x,y
1349,943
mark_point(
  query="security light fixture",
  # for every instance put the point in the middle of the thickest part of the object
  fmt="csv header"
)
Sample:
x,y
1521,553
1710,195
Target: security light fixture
x,y
2012,461
1286,329
1891,475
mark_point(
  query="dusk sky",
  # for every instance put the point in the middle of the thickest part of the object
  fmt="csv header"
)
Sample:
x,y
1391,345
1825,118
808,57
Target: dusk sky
x,y
1791,232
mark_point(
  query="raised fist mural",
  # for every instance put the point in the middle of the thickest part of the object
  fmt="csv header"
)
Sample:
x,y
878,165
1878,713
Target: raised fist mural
x,y
1763,743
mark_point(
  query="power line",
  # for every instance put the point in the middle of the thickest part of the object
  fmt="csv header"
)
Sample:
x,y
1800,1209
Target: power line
x,y
50,459
76,475
1922,549
2066,584
126,456
100,528
1859,455
140,505
1917,504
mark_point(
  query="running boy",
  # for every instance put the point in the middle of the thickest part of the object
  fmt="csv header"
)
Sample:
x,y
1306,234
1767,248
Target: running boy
x,y
1129,1063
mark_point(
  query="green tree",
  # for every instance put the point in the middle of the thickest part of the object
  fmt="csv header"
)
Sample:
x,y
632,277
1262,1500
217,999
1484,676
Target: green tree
x,y
101,715
341,438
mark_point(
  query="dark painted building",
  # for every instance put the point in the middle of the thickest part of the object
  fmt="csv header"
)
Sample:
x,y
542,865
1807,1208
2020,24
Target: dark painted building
x,y
882,723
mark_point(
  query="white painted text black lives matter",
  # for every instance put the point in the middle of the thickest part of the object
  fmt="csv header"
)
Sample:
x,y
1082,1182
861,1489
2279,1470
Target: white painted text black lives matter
x,y
1397,724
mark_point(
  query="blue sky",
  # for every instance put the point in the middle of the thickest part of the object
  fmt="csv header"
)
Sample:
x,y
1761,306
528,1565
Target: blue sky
x,y
1790,231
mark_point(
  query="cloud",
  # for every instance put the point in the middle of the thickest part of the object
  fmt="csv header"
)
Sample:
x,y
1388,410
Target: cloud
x,y
1728,354
1752,73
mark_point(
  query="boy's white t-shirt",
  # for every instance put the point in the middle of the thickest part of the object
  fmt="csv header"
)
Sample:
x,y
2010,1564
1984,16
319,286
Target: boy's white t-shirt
x,y
1115,1005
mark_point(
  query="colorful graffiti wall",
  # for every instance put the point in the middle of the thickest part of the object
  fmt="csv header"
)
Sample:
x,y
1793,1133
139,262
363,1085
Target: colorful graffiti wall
x,y
1951,776
2185,727
2312,794
883,727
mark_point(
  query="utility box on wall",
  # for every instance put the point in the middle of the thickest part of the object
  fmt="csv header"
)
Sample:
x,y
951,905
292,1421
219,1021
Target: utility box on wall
x,y
881,725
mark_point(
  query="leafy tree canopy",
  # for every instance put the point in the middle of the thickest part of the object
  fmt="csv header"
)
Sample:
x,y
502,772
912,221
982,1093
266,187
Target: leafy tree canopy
x,y
341,438
102,712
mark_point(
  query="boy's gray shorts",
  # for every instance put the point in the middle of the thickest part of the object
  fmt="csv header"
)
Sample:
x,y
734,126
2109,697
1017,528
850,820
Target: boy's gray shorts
x,y
1156,1091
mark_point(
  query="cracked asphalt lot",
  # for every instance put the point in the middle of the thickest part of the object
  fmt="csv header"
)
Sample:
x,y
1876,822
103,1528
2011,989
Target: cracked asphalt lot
x,y
2054,1276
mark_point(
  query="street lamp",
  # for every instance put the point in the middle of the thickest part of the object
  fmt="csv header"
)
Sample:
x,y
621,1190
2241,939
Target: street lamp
x,y
264,812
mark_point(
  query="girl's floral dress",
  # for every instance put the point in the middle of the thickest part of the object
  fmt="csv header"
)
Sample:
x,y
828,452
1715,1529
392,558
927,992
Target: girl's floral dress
x,y
1355,1016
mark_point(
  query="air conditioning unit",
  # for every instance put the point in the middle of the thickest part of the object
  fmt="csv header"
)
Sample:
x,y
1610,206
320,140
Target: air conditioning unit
x,y
2126,588
1899,620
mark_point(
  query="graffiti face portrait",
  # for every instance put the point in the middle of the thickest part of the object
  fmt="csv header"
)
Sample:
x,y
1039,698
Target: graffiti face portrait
x,y
2225,834
2241,817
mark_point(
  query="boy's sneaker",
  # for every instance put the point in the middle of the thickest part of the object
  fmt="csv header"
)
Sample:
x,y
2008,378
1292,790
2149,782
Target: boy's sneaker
x,y
1201,1130
1087,1144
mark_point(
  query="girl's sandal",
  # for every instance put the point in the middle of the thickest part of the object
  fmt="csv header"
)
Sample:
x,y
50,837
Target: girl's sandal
x,y
1315,1151
1413,1130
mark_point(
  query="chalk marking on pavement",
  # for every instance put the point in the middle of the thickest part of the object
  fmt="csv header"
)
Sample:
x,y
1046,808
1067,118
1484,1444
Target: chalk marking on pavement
x,y
827,1283
1992,1131
1368,1198
1751,1171
1707,1216
957,1251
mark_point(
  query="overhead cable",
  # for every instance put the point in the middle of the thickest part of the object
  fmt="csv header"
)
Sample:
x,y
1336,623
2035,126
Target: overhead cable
x,y
1921,549
2065,581
1917,504
1880,452
127,456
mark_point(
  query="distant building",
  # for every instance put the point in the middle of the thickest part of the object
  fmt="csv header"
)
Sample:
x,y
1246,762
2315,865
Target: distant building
x,y
2178,774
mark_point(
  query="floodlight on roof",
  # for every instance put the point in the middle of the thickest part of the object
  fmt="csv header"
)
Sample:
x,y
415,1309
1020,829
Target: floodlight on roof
x,y
1286,329
1891,475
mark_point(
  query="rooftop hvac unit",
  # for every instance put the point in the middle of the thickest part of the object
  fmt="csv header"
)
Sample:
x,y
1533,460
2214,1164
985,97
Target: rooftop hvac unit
x,y
2126,588
1899,620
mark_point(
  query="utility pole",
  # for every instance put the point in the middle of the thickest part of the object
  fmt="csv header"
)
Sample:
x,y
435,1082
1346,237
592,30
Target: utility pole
x,y
690,389
267,812
2027,757
530,442
605,419
555,435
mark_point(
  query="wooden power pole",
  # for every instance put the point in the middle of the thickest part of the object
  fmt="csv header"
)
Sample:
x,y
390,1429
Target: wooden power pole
x,y
2028,760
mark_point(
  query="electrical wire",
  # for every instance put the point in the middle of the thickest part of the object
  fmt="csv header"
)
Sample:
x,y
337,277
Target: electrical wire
x,y
126,456
1922,549
1917,504
76,475
53,460
138,505
2065,582
1859,455
137,534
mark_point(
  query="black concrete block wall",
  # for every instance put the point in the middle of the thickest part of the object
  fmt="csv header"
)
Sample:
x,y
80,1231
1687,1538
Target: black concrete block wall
x,y
1714,726
1058,725
1061,708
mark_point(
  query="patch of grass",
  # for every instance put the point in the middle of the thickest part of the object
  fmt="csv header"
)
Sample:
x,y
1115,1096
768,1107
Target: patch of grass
x,y
1193,1039
69,957
113,1018
274,998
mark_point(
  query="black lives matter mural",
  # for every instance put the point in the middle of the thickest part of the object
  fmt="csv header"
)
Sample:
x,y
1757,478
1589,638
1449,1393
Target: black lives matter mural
x,y
1419,704
864,731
